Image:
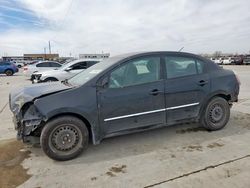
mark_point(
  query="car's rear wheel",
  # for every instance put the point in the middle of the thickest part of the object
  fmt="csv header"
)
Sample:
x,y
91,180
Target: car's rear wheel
x,y
19,66
50,80
216,114
9,72
64,138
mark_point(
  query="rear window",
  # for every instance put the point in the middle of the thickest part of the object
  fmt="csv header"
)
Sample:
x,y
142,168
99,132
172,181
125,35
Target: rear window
x,y
46,64
53,64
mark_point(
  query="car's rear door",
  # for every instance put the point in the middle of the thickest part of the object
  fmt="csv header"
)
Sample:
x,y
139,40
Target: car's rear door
x,y
134,97
186,86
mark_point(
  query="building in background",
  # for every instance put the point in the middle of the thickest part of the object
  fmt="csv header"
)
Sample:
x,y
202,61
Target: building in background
x,y
30,57
94,56
40,56
12,58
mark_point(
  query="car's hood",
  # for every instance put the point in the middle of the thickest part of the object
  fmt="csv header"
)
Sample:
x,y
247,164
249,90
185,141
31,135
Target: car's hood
x,y
19,97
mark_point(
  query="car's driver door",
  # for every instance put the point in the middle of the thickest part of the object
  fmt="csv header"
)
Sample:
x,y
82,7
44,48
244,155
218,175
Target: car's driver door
x,y
134,97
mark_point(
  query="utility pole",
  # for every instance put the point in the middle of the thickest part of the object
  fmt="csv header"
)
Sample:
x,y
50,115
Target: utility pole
x,y
44,53
49,48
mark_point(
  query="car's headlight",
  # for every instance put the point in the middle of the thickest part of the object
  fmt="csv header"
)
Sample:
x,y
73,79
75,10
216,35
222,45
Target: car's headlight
x,y
38,76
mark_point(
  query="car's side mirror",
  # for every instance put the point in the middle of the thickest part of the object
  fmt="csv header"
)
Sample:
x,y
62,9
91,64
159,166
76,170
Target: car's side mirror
x,y
103,82
68,69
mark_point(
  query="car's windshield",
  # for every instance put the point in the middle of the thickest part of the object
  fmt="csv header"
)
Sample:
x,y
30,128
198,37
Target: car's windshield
x,y
91,72
67,64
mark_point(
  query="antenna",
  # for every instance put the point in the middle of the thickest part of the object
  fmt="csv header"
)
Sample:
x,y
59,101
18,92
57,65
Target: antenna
x,y
181,49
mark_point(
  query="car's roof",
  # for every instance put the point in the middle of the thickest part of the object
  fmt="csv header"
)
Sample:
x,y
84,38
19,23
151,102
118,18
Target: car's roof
x,y
117,58
67,64
46,61
126,55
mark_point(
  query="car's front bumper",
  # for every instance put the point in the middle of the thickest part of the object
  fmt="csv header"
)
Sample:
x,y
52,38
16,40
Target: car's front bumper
x,y
24,132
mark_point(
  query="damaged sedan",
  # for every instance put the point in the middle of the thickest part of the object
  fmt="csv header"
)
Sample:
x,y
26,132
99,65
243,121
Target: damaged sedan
x,y
120,95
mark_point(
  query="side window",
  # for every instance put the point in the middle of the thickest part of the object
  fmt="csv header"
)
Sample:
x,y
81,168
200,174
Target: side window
x,y
138,71
200,66
46,64
90,63
182,66
80,65
52,64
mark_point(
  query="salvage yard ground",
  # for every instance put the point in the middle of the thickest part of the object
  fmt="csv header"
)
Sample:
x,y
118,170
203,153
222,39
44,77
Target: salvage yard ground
x,y
177,156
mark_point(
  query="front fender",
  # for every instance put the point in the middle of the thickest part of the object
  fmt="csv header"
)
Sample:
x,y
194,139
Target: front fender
x,y
77,102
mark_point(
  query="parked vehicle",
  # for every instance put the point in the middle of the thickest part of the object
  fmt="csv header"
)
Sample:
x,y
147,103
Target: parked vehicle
x,y
19,64
28,70
226,61
237,61
120,95
66,71
247,60
31,62
216,60
8,68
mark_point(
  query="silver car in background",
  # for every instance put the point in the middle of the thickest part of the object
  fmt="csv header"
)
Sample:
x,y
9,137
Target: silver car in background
x,y
29,69
67,71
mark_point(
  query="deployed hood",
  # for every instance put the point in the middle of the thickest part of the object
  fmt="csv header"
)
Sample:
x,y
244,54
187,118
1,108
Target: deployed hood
x,y
19,97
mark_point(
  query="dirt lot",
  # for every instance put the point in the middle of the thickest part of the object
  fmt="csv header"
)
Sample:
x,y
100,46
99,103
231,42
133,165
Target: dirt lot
x,y
177,156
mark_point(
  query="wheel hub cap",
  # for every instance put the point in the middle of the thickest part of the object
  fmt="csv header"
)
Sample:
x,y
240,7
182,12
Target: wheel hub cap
x,y
65,138
216,113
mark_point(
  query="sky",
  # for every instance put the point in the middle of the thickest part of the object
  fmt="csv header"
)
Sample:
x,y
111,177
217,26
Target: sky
x,y
121,26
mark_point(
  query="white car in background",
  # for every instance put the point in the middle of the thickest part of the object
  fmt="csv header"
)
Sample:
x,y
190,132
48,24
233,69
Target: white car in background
x,y
28,70
18,64
67,71
216,60
226,60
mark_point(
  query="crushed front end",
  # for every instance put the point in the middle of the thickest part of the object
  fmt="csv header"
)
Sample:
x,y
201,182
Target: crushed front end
x,y
27,120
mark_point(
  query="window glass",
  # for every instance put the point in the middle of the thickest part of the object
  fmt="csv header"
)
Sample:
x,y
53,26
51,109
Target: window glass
x,y
139,71
180,66
200,66
46,64
80,65
90,63
52,64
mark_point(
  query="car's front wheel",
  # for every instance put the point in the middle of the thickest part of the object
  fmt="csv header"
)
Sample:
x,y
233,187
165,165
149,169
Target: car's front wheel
x,y
216,114
9,72
64,138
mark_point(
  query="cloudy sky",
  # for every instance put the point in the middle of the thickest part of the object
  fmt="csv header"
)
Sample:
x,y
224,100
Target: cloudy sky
x,y
118,26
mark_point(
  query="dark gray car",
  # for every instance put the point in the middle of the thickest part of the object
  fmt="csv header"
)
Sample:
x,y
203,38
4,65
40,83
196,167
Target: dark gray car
x,y
123,94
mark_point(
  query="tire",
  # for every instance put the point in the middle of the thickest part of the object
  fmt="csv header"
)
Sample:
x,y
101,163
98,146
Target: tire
x,y
216,114
64,138
19,66
9,72
50,80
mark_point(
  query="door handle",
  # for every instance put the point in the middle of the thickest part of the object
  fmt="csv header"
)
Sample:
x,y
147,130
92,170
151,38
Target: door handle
x,y
202,82
154,92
